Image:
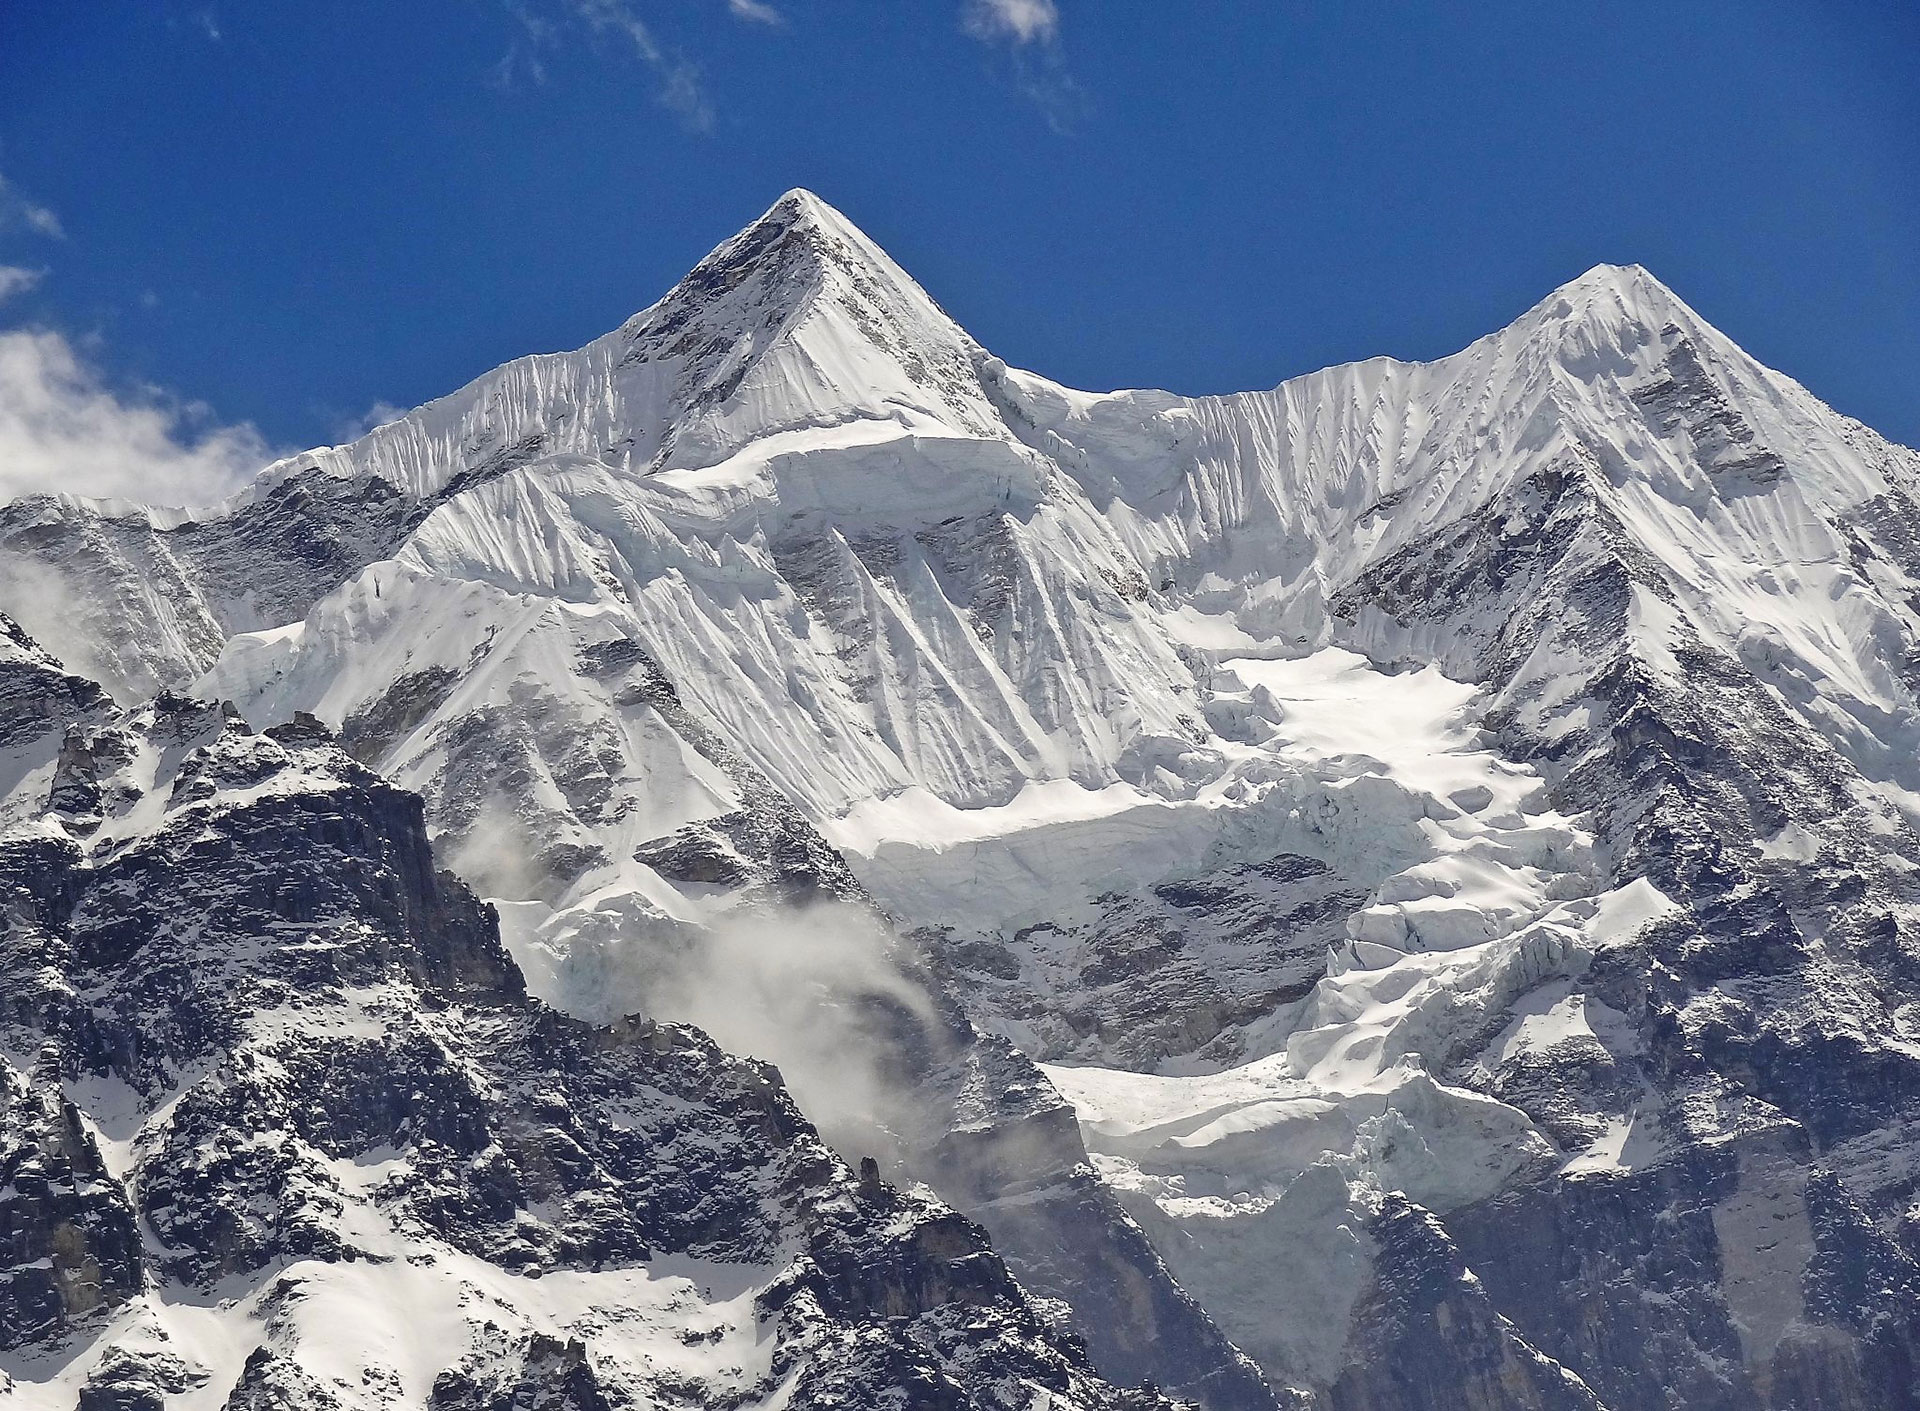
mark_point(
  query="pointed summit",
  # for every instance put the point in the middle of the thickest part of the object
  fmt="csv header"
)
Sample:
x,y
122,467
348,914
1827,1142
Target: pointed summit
x,y
1631,281
801,320
1620,327
798,203
1622,308
799,206
788,248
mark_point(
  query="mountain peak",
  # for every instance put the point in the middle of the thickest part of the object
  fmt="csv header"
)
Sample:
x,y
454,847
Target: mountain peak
x,y
1619,321
801,320
799,206
1619,294
1622,278
777,264
797,322
798,250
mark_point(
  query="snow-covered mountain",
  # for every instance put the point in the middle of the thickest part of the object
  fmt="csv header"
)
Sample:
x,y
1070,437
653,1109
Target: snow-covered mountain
x,y
1392,891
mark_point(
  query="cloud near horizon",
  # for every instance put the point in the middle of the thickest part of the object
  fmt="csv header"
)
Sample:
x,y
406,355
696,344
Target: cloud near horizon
x,y
352,428
64,431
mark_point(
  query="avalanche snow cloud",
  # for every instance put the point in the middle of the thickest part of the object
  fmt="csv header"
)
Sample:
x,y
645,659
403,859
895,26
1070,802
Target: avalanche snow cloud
x,y
1394,891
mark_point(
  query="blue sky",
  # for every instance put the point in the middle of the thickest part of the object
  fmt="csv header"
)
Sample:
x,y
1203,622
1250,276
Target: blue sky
x,y
234,226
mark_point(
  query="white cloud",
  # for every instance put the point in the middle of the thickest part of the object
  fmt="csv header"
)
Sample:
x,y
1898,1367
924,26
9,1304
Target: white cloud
x,y
545,25
818,991
16,279
18,213
516,61
62,429
1030,32
755,10
352,428
680,89
1022,21
522,58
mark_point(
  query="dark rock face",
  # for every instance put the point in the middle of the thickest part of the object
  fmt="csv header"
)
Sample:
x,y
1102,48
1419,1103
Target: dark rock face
x,y
40,695
1766,1013
72,1247
1618,1278
147,607
409,701
1661,1295
551,1376
1429,1337
269,1381
126,1380
1685,400
1180,968
1070,1240
254,944
1025,1176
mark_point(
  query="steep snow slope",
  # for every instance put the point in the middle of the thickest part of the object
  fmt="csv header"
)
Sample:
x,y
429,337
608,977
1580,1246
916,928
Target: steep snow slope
x,y
1755,503
798,322
141,598
1416,798
280,1127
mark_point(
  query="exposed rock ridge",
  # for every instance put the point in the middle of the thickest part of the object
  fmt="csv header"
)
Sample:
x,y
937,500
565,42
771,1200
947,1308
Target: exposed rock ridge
x,y
277,1046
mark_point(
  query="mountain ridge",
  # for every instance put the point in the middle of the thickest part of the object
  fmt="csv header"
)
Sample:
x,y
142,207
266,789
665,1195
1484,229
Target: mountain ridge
x,y
1409,798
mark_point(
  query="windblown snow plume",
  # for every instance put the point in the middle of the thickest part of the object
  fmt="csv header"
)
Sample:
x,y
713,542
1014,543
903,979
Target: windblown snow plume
x,y
818,992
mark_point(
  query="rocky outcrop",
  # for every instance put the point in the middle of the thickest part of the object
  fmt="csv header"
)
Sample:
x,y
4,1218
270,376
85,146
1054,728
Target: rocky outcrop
x,y
72,1248
1428,1336
329,1062
1758,1052
1179,969
1006,1149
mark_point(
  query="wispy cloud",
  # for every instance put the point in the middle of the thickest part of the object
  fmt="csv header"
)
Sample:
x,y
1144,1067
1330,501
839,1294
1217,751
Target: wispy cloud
x,y
352,428
755,11
18,213
17,279
520,61
677,78
1030,31
1022,21
680,86
63,429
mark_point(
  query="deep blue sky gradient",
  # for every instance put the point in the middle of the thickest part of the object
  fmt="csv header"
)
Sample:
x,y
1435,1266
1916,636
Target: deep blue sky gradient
x,y
334,205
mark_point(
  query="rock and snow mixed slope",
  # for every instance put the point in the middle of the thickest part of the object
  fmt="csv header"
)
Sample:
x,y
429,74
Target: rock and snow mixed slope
x,y
1446,828
281,1127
